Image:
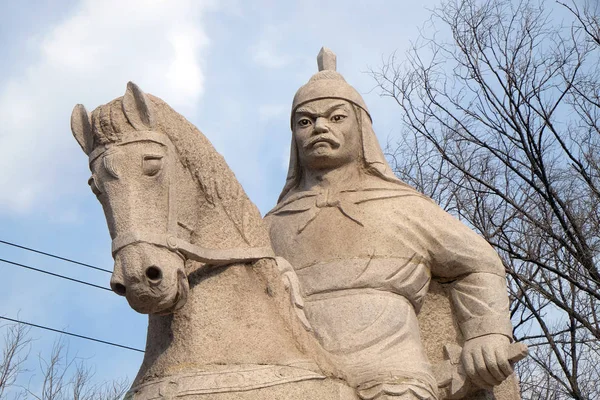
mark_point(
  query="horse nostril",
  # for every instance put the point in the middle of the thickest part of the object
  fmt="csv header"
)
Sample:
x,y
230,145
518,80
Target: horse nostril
x,y
119,289
154,274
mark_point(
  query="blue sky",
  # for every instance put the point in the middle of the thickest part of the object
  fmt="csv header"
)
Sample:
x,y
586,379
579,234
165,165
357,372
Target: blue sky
x,y
231,67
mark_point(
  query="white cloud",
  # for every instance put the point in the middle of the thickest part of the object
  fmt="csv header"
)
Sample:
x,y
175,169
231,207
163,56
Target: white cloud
x,y
184,74
88,59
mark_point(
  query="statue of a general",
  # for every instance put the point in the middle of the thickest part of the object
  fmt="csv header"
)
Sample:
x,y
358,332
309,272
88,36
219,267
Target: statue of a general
x,y
321,304
365,247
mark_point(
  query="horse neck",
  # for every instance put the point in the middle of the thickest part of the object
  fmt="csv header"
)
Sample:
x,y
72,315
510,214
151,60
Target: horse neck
x,y
230,221
229,319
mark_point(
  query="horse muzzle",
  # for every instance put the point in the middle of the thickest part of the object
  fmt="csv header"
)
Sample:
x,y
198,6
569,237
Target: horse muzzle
x,y
152,278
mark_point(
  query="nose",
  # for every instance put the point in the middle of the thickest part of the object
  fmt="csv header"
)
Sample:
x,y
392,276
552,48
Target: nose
x,y
152,278
321,125
154,274
117,282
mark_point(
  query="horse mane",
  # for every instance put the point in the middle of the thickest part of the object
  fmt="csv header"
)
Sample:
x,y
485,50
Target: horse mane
x,y
216,181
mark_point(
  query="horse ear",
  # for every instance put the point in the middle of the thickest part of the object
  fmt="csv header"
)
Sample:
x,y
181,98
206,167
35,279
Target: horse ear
x,y
138,108
81,128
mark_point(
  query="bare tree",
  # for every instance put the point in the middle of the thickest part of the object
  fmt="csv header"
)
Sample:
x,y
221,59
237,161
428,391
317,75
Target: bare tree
x,y
63,377
17,345
502,110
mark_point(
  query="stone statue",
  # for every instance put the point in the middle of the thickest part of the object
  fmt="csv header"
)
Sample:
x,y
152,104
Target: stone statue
x,y
192,251
343,296
365,247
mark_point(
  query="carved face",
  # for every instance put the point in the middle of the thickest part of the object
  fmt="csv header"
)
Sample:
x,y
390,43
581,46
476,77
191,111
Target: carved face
x,y
326,134
132,182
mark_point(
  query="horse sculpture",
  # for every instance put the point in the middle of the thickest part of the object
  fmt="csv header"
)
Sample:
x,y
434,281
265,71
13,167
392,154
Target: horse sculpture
x,y
190,249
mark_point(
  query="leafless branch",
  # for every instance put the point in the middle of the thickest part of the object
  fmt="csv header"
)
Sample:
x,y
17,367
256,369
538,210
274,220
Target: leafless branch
x,y
502,128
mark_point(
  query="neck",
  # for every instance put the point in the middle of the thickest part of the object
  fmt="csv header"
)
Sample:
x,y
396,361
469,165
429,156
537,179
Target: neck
x,y
200,336
345,176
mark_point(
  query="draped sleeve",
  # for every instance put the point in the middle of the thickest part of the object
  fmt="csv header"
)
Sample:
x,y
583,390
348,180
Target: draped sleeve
x,y
457,254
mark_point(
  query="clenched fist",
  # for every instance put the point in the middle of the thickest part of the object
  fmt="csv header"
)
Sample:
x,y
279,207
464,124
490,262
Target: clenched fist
x,y
485,360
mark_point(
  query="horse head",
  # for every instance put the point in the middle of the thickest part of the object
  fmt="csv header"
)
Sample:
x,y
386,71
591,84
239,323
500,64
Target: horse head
x,y
171,203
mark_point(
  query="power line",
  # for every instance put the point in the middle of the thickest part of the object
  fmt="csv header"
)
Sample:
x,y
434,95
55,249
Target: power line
x,y
53,274
72,334
55,256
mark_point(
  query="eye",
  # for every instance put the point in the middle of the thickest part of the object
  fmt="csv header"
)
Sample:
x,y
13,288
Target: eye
x,y
93,186
338,118
151,165
304,122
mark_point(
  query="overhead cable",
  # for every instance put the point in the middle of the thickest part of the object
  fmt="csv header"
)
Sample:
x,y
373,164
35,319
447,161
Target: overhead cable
x,y
72,334
55,256
54,274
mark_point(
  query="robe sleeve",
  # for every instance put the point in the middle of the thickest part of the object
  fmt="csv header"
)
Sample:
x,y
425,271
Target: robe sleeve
x,y
458,254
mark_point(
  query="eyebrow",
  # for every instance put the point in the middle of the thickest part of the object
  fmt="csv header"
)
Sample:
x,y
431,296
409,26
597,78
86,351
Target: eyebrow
x,y
302,110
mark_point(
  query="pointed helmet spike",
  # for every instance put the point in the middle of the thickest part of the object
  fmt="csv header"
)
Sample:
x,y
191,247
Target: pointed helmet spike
x,y
326,60
327,84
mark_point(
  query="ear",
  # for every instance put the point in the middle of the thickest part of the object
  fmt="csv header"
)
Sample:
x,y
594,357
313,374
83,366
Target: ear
x,y
138,108
81,128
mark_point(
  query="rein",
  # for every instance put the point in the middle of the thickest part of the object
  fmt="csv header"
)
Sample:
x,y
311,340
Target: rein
x,y
191,251
169,240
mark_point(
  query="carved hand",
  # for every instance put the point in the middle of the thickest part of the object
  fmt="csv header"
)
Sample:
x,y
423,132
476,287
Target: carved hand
x,y
485,360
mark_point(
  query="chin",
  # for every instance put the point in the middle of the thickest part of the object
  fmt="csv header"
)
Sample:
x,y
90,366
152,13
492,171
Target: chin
x,y
326,163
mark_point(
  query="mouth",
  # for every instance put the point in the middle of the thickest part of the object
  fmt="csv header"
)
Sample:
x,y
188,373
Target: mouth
x,y
180,297
321,140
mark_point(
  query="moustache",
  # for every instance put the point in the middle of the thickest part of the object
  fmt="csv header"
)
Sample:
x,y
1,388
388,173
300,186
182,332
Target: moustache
x,y
322,138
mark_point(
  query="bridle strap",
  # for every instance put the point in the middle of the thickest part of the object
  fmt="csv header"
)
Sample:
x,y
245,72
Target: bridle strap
x,y
170,240
191,251
140,136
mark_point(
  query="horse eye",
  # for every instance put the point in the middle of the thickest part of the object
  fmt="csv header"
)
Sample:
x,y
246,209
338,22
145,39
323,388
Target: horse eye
x,y
151,165
93,186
